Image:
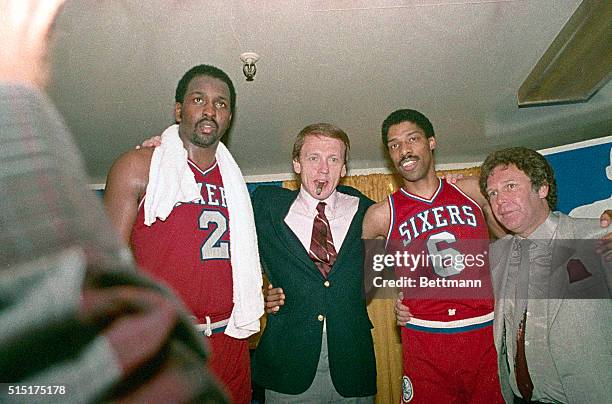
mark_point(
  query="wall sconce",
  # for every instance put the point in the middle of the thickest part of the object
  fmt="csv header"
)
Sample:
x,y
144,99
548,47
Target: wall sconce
x,y
249,59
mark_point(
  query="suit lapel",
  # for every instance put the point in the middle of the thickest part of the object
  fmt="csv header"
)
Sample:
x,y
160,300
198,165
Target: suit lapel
x,y
499,284
561,253
292,243
500,289
353,233
559,282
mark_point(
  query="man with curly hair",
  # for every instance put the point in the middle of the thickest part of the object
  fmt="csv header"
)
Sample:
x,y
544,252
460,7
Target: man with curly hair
x,y
553,313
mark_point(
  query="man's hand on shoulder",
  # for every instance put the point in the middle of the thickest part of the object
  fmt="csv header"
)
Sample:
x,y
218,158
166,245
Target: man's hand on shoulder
x,y
605,243
452,178
154,141
606,218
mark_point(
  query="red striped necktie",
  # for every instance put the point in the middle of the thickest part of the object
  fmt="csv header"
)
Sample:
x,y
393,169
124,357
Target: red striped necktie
x,y
322,250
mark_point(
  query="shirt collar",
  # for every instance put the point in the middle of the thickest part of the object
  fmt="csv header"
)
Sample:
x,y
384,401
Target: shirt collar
x,y
309,204
543,234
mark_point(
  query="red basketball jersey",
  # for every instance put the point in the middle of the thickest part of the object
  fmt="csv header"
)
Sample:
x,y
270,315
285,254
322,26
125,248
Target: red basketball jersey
x,y
446,241
189,251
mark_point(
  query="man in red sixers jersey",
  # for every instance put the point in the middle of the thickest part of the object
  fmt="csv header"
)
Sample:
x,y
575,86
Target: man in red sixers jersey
x,y
189,251
448,349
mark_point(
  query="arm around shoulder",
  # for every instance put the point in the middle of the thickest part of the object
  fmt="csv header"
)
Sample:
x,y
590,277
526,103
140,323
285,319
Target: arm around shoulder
x,y
125,186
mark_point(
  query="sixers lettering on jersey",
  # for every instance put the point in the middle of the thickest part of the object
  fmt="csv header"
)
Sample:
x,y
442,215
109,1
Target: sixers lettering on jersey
x,y
436,218
190,250
449,235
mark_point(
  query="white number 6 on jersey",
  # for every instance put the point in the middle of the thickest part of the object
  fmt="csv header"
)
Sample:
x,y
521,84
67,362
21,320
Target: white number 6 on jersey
x,y
439,258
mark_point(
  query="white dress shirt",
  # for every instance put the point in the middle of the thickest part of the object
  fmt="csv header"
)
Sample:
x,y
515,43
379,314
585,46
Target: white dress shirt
x,y
339,209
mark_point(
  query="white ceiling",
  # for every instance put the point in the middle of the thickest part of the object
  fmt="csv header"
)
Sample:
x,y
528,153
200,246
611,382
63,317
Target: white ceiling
x,y
116,65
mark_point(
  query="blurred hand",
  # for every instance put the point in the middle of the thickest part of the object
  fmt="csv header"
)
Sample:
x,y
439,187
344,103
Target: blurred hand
x,y
138,324
136,321
25,28
606,218
605,243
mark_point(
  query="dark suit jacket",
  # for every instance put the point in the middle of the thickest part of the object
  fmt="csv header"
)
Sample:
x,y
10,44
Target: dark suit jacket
x,y
288,352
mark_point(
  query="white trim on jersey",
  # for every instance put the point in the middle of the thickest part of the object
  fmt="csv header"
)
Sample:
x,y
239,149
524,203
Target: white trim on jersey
x,y
451,324
209,169
419,198
392,219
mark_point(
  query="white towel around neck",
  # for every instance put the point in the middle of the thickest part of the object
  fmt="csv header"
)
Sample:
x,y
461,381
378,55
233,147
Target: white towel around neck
x,y
172,181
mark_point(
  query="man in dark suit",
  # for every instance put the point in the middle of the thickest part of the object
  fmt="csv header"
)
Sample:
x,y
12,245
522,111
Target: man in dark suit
x,y
318,346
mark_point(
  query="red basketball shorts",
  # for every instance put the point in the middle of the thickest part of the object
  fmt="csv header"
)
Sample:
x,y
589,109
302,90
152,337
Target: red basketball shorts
x,y
231,364
442,367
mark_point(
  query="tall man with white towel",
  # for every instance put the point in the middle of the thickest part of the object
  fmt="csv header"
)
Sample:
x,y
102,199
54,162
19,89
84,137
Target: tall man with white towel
x,y
176,206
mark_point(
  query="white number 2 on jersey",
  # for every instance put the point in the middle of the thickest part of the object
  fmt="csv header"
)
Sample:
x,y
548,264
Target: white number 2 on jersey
x,y
439,258
213,248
